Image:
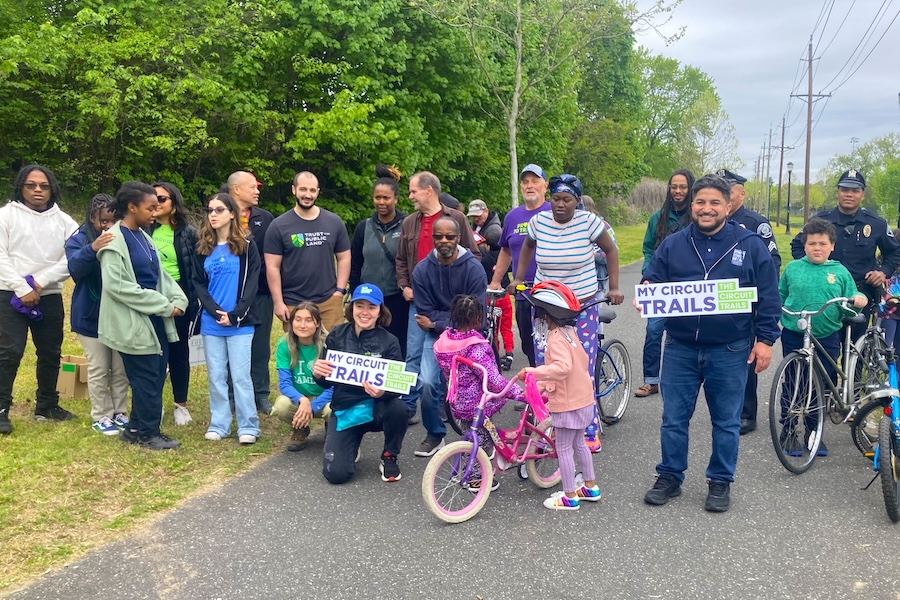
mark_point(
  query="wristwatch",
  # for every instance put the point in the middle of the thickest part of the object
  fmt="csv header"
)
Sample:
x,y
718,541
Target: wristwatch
x,y
343,291
767,342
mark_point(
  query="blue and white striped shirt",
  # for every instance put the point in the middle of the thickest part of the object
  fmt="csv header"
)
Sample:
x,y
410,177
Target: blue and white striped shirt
x,y
565,251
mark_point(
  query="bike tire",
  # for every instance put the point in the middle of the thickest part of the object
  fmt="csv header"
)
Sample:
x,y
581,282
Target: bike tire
x,y
864,428
889,467
863,370
797,421
612,381
452,421
544,472
446,497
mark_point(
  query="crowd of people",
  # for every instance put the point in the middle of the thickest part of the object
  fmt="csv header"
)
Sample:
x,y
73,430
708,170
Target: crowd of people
x,y
409,288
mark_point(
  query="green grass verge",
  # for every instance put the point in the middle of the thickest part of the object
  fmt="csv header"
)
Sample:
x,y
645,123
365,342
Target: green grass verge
x,y
65,489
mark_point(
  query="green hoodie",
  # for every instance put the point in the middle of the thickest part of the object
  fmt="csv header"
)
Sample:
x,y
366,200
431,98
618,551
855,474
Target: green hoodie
x,y
126,307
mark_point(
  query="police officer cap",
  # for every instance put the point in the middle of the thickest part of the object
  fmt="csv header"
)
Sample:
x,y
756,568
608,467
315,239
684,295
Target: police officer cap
x,y
852,179
730,177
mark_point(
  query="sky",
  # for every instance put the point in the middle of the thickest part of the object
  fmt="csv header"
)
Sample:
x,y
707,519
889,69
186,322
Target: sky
x,y
753,52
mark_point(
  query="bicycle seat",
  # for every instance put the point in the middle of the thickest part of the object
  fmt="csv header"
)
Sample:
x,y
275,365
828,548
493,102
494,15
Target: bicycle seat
x,y
605,315
855,319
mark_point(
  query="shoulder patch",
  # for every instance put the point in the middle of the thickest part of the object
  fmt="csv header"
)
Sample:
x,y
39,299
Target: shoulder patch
x,y
764,230
772,246
890,232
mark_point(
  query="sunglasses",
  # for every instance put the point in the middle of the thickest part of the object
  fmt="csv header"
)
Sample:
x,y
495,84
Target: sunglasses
x,y
163,198
216,209
448,236
45,187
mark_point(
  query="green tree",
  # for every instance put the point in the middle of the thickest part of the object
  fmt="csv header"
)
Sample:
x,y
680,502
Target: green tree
x,y
707,141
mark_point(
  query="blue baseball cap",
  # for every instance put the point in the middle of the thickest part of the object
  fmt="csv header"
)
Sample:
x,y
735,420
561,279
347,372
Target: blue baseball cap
x,y
535,169
367,291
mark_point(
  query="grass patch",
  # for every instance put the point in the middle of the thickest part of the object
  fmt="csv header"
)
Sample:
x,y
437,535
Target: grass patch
x,y
630,238
65,489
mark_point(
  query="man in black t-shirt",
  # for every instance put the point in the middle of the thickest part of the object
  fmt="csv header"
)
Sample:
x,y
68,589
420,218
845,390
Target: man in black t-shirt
x,y
307,255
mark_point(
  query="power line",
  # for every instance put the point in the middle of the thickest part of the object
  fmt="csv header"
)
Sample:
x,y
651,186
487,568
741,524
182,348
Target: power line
x,y
836,31
867,34
824,27
847,78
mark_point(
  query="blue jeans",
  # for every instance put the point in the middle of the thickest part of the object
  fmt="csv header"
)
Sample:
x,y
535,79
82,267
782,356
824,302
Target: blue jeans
x,y
223,354
722,370
653,349
420,359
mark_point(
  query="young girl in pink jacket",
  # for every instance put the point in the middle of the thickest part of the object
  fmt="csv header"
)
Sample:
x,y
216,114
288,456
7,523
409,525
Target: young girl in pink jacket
x,y
565,381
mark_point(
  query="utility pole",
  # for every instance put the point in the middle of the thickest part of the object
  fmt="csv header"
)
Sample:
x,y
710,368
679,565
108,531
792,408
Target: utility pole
x,y
768,167
809,102
780,167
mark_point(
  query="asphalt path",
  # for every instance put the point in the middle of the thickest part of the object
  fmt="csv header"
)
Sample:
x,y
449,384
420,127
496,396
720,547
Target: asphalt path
x,y
281,531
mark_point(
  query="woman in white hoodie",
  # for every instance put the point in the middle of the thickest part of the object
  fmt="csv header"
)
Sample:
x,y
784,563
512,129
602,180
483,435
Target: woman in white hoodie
x,y
33,234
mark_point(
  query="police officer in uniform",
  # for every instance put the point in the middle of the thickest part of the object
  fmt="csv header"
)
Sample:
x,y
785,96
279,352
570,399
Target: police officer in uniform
x,y
751,221
860,235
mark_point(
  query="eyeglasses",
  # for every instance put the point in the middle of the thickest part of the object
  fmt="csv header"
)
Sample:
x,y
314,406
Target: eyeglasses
x,y
45,187
216,209
444,236
163,198
677,188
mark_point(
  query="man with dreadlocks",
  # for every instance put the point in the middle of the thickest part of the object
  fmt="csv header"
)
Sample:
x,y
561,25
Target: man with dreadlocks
x,y
677,217
33,233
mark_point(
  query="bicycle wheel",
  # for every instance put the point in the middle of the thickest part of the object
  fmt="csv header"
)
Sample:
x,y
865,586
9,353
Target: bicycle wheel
x,y
796,418
445,494
863,370
889,467
864,428
543,472
612,380
452,421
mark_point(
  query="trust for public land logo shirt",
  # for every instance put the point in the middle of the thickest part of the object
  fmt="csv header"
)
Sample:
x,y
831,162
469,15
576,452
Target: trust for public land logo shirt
x,y
307,249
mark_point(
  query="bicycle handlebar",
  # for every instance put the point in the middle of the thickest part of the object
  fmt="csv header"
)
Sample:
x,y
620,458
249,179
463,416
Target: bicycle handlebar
x,y
803,314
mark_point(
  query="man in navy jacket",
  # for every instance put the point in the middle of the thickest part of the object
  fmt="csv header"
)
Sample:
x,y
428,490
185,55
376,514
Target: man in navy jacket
x,y
449,270
712,350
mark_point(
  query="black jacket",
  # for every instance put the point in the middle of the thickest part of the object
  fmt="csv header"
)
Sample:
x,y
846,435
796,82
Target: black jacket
x,y
378,342
257,226
242,315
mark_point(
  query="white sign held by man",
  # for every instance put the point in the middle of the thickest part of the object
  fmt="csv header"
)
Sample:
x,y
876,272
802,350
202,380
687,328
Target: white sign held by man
x,y
355,369
693,298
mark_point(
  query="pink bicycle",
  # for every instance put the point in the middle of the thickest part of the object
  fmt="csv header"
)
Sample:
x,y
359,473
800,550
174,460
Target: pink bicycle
x,y
446,485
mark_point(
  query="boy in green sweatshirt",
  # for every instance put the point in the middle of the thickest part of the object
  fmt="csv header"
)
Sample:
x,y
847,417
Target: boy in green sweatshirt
x,y
807,284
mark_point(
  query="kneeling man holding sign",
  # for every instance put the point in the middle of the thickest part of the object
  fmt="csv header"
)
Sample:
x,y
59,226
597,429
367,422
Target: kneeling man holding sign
x,y
364,365
715,283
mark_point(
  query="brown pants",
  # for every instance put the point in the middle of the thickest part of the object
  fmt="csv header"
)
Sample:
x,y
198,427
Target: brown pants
x,y
331,310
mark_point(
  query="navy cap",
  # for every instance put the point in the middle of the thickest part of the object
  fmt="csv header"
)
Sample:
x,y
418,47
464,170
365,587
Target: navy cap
x,y
535,169
731,177
852,179
367,291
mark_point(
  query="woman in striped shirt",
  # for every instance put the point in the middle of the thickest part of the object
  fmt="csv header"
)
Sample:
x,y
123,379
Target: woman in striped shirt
x,y
562,241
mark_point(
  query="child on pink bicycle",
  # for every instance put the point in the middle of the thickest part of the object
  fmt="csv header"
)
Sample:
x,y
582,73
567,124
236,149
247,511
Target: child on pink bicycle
x,y
569,389
464,338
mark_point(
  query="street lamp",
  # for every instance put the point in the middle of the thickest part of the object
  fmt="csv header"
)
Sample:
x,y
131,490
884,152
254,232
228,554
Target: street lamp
x,y
787,229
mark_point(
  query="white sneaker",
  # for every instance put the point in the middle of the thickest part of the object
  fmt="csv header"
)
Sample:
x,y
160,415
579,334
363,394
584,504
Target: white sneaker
x,y
247,439
213,436
181,415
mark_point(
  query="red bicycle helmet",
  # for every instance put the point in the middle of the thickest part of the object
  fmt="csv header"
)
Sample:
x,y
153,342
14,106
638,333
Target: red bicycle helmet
x,y
557,299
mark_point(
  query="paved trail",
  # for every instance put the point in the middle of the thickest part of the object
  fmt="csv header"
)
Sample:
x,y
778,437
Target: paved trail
x,y
281,531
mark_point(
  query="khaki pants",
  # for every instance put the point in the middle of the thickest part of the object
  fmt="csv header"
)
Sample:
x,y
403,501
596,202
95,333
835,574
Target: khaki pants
x,y
107,381
285,410
331,310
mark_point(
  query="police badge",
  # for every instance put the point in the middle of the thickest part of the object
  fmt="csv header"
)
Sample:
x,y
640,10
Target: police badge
x,y
867,230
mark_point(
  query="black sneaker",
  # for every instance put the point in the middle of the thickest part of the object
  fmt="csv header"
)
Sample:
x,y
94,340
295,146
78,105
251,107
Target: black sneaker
x,y
475,485
6,427
666,487
54,413
718,498
158,442
506,362
129,436
429,446
390,469
263,406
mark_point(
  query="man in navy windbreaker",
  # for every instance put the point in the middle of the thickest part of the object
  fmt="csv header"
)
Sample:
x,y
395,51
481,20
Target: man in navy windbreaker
x,y
712,350
446,272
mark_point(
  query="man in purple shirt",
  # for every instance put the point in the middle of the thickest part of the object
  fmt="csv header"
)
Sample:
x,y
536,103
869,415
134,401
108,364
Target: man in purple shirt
x,y
533,184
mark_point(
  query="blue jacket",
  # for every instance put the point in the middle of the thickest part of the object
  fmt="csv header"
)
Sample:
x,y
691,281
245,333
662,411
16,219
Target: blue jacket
x,y
435,285
84,266
678,258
